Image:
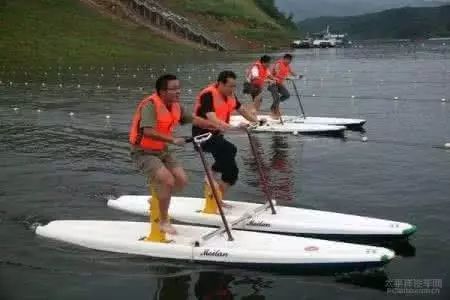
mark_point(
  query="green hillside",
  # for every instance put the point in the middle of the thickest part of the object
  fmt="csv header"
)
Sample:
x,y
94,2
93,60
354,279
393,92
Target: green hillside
x,y
245,24
42,32
45,32
402,23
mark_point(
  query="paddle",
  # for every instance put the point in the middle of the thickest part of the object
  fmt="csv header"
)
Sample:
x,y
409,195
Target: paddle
x,y
197,141
262,176
298,98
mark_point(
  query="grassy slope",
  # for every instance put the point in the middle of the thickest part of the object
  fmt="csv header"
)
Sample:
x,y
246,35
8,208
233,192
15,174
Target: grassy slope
x,y
42,32
237,21
45,32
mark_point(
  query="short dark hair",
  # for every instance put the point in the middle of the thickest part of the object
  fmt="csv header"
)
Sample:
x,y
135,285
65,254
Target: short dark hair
x,y
265,59
161,82
288,56
224,75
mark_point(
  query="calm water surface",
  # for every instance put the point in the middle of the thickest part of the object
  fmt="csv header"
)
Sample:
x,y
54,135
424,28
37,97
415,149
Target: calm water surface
x,y
58,165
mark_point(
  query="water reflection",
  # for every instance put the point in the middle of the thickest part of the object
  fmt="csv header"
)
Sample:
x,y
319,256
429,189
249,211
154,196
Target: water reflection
x,y
241,284
278,169
213,286
281,171
176,287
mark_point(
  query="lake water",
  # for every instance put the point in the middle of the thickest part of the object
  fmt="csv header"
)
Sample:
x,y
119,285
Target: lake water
x,y
64,152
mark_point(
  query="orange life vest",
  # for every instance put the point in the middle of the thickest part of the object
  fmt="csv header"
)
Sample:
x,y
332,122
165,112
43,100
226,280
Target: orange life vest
x,y
283,71
166,121
263,72
223,107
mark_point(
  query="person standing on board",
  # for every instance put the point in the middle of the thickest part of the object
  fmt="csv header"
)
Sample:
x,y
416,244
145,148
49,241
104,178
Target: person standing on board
x,y
281,70
215,103
257,75
151,131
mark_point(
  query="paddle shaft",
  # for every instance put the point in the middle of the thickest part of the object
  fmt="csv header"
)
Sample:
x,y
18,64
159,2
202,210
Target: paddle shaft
x,y
262,175
214,191
299,98
236,222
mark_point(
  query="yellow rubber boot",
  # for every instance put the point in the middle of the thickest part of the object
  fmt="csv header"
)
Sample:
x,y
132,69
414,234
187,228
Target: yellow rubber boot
x,y
156,235
210,206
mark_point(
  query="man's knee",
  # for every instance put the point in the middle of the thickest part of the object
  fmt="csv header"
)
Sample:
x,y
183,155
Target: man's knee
x,y
285,96
181,179
231,174
164,177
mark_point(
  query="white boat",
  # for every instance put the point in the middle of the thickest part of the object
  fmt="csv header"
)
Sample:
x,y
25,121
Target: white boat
x,y
287,220
248,249
291,127
287,120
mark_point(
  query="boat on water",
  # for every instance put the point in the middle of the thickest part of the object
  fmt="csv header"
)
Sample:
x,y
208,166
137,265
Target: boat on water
x,y
324,39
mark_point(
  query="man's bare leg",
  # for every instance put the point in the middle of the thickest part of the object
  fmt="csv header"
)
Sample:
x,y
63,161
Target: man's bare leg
x,y
165,184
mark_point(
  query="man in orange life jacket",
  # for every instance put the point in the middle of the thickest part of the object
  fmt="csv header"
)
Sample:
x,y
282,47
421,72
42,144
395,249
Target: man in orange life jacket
x,y
216,103
257,75
281,71
151,131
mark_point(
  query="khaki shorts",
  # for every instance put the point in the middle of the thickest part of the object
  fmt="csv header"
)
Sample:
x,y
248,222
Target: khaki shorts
x,y
150,162
251,89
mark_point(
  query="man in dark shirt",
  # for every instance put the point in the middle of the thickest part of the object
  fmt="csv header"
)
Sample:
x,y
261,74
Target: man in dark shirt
x,y
215,103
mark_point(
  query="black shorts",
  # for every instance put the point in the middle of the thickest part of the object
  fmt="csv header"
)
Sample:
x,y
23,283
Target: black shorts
x,y
251,89
224,154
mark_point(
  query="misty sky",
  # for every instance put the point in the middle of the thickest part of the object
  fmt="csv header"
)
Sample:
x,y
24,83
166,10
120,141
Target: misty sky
x,y
303,9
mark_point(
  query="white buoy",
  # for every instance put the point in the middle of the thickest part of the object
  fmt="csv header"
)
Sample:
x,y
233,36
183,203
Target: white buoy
x,y
60,85
364,139
38,110
313,95
101,75
395,98
71,114
79,85
447,145
10,83
43,84
118,87
108,116
99,86
443,100
353,96
295,132
26,83
16,108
